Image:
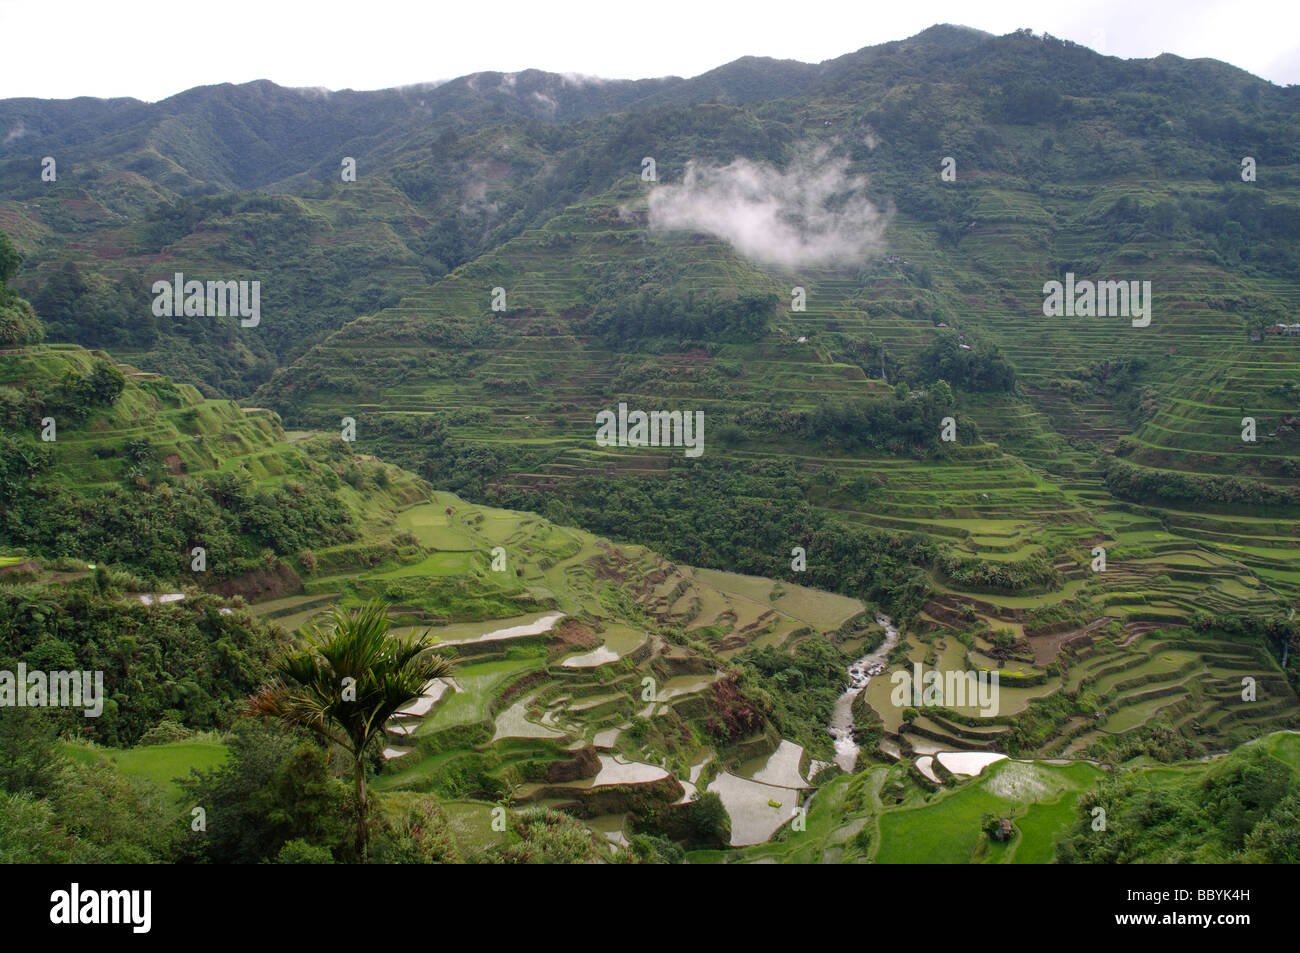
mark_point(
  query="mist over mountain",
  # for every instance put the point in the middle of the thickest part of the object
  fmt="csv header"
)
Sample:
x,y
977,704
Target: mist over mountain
x,y
811,213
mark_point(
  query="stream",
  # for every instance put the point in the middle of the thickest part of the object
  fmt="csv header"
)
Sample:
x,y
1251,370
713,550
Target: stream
x,y
860,673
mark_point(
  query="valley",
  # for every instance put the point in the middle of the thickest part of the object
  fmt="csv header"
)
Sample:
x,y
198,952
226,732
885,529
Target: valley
x,y
672,495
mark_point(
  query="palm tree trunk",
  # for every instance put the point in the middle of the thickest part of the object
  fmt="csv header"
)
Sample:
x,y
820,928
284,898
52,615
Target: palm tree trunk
x,y
361,809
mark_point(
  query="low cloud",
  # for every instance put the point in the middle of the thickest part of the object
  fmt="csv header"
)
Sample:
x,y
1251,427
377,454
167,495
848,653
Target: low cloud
x,y
581,79
546,102
811,213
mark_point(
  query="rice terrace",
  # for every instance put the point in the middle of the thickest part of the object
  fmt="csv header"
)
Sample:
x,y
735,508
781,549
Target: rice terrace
x,y
888,460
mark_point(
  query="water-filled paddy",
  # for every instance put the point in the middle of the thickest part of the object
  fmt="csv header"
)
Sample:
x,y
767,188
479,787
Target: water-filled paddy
x,y
682,685
618,641
514,723
596,657
476,683
925,764
754,819
485,630
780,768
968,762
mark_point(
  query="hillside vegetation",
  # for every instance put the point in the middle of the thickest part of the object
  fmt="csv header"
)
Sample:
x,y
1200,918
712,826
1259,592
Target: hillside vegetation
x,y
842,271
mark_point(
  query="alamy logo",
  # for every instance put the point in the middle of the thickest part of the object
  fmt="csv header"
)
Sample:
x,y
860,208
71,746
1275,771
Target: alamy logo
x,y
951,689
658,428
192,299
1102,299
37,689
75,906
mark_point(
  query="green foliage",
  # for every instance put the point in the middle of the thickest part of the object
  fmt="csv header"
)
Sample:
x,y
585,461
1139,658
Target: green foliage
x,y
92,814
1275,839
94,313
1028,101
649,849
30,833
18,322
420,835
153,527
979,366
274,788
682,316
1181,488
185,657
77,397
976,575
299,851
542,836
719,521
19,325
890,424
800,688
708,818
28,756
1237,810
993,828
346,681
10,259
1135,156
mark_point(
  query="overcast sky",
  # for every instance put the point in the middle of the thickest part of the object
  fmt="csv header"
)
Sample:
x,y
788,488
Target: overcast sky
x,y
151,49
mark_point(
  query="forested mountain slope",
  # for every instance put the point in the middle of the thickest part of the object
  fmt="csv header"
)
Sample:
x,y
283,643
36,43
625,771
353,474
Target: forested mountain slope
x,y
843,271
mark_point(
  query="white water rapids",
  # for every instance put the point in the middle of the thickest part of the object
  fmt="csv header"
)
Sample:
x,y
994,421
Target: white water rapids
x,y
860,673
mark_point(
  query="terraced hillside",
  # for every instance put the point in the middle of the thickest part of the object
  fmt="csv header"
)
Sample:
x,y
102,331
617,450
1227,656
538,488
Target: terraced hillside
x,y
600,678
903,463
525,385
105,463
589,675
883,816
1044,472
605,700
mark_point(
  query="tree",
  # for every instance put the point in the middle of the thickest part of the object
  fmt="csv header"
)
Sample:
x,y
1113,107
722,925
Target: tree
x,y
420,836
28,758
18,322
709,819
19,325
1028,101
273,789
1276,839
346,682
997,828
301,852
1163,217
10,259
942,394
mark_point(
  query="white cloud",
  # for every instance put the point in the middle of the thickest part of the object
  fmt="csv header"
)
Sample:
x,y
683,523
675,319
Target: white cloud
x,y
811,213
580,80
546,102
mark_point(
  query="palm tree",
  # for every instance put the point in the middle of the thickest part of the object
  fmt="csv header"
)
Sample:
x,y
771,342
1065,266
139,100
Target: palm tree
x,y
347,681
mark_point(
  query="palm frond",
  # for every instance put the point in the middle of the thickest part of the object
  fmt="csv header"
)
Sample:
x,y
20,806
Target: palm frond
x,y
352,674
